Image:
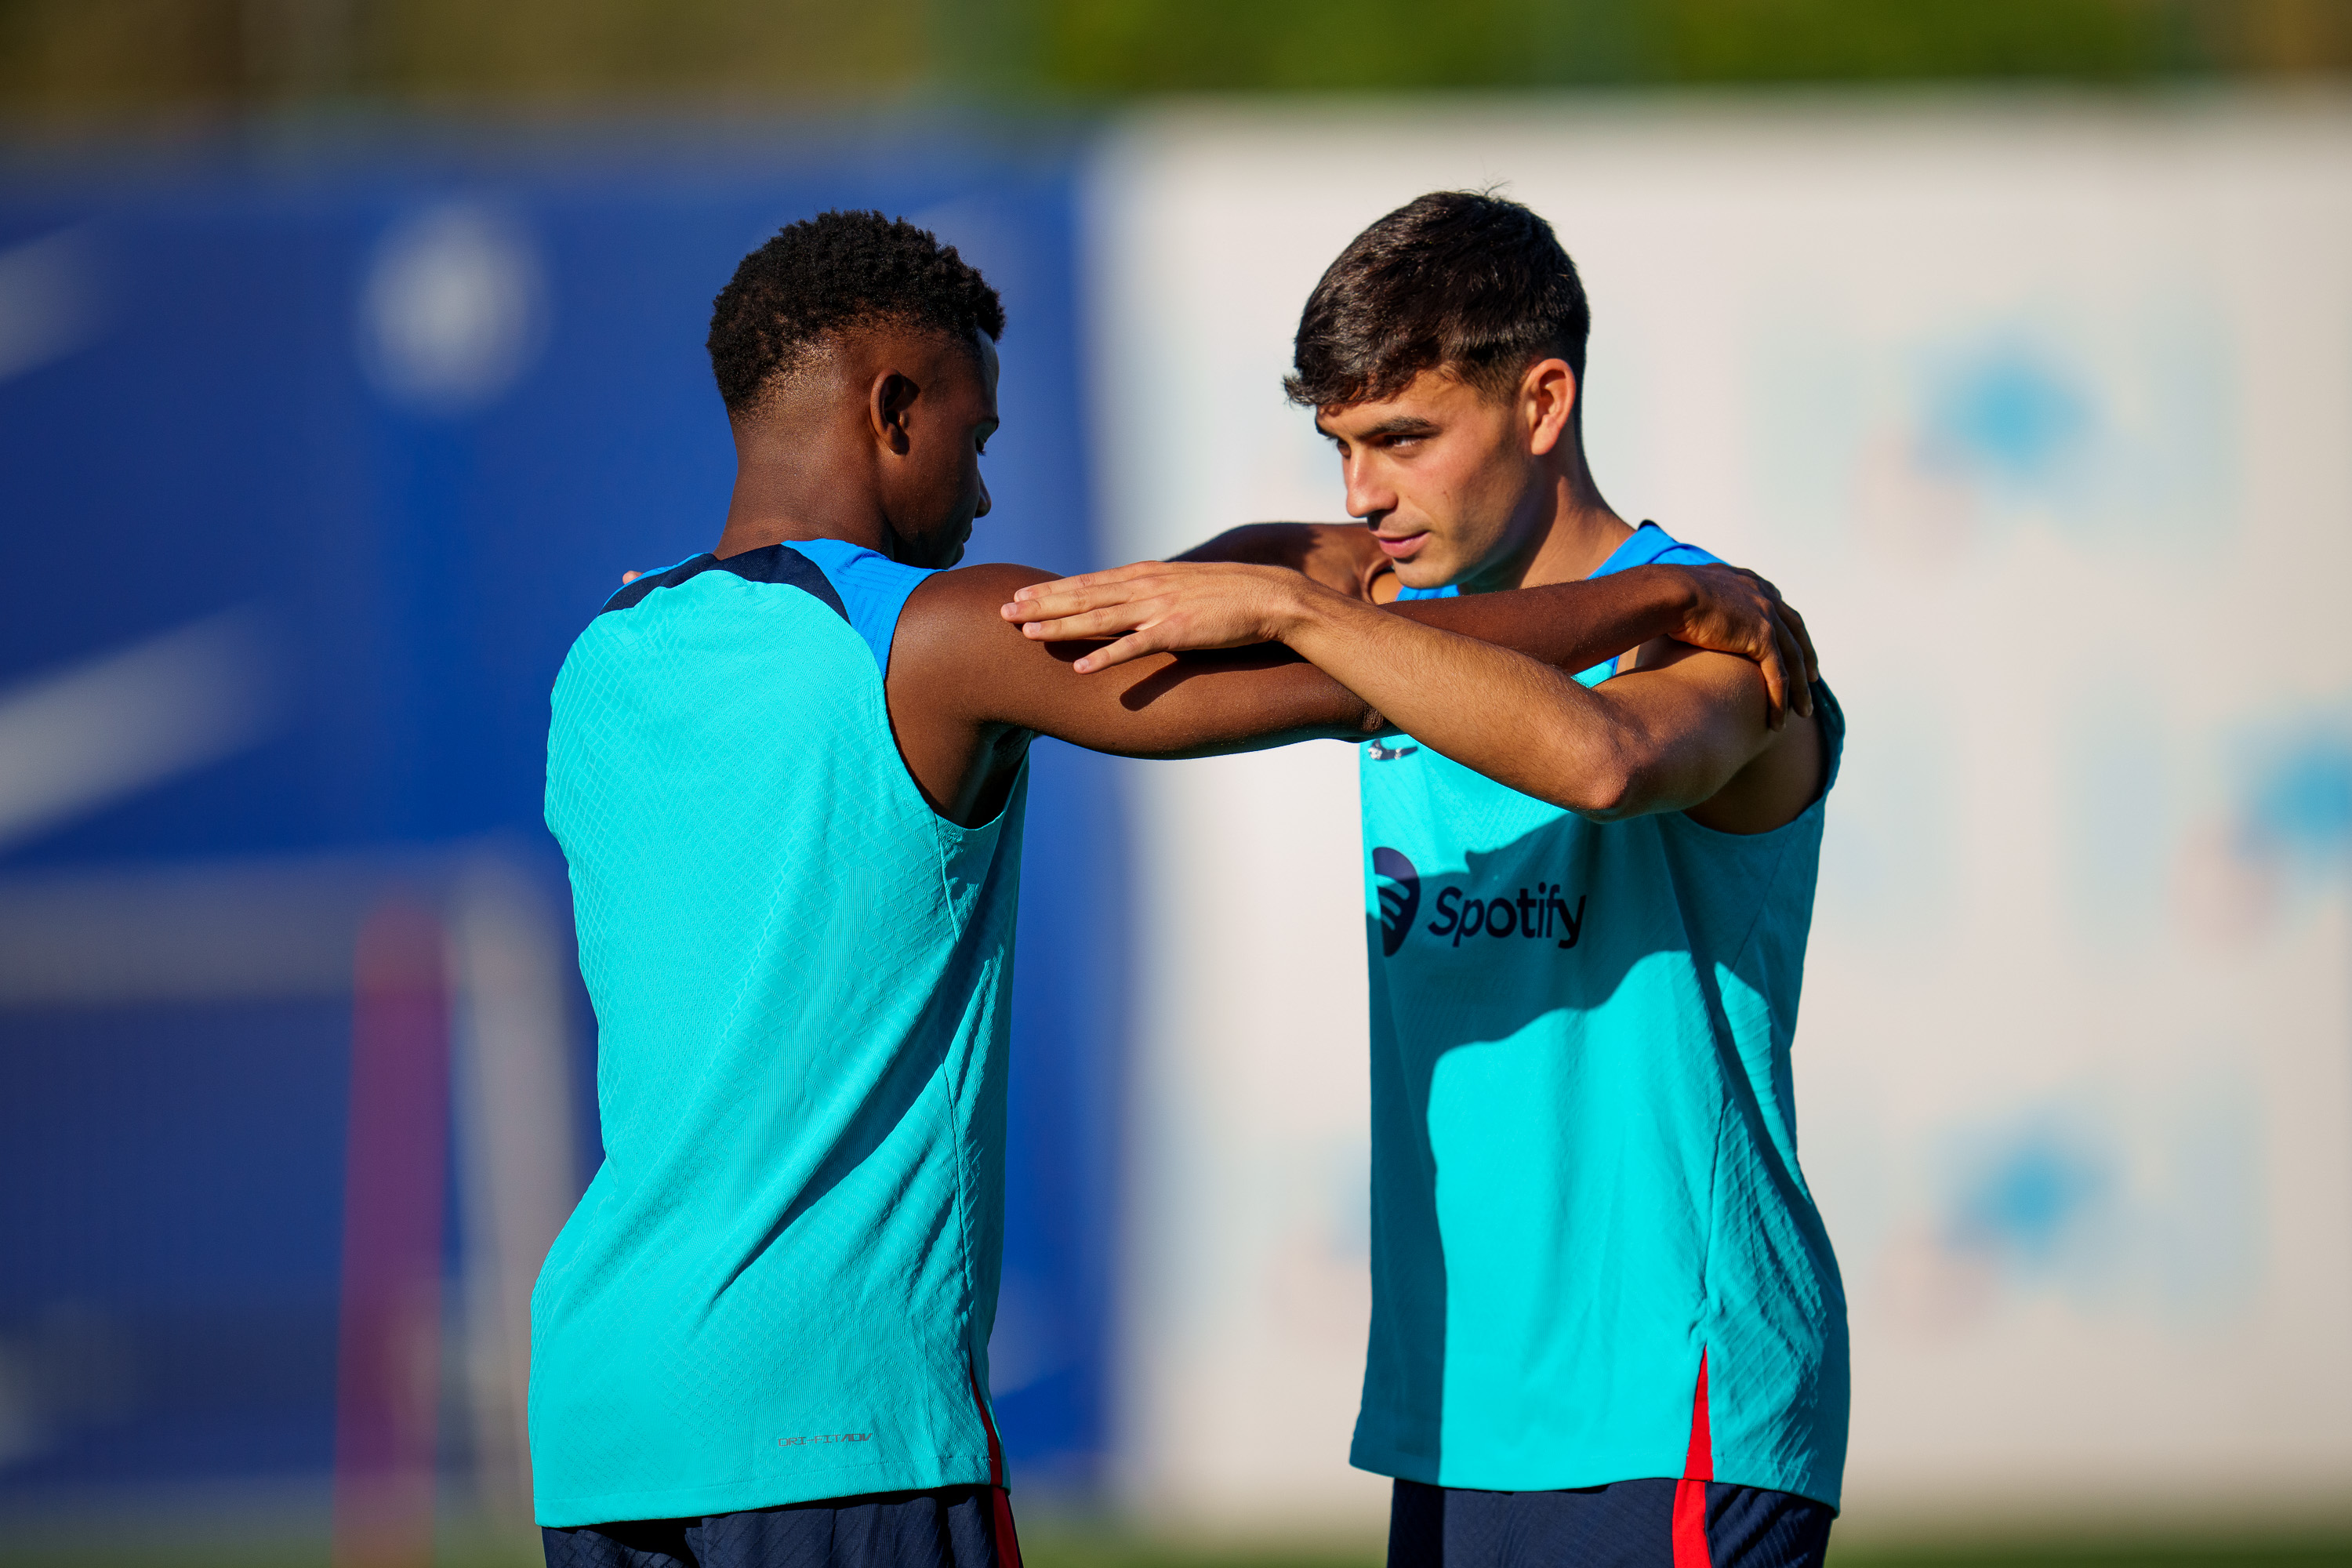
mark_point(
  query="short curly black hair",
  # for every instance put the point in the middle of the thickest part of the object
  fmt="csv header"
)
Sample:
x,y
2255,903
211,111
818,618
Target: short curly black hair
x,y
834,271
1465,281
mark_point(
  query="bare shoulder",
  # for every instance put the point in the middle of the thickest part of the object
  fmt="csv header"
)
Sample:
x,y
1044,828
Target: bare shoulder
x,y
957,612
958,589
954,654
952,659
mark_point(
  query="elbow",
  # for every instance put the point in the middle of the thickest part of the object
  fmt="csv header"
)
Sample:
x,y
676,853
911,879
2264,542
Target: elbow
x,y
1608,789
1604,800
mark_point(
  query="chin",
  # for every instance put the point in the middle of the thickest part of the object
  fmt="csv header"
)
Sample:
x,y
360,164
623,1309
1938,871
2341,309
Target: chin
x,y
1420,572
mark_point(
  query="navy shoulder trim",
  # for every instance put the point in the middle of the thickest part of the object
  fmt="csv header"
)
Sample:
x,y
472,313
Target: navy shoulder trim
x,y
776,564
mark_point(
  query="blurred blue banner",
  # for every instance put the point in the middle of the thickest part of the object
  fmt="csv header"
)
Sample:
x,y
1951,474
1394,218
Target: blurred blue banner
x,y
313,474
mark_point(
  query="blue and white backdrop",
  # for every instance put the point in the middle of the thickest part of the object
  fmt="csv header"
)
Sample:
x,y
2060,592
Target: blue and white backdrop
x,y
314,465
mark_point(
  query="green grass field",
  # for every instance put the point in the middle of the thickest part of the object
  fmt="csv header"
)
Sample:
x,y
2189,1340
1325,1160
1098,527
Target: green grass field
x,y
1092,1548
2009,1554
1074,1550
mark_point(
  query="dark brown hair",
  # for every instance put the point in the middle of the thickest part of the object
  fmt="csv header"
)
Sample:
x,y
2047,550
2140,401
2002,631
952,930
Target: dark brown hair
x,y
1455,279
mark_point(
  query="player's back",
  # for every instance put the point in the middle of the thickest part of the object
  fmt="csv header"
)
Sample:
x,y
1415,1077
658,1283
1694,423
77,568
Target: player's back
x,y
779,1287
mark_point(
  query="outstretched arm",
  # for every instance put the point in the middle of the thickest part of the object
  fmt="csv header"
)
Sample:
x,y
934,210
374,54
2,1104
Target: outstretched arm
x,y
968,688
1669,736
1346,559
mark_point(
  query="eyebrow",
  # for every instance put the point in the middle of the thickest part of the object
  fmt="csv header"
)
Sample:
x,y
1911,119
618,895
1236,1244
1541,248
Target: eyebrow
x,y
1397,424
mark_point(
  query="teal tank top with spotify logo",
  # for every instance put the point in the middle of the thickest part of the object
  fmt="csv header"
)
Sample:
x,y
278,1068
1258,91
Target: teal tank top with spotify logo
x,y
780,1284
1595,1254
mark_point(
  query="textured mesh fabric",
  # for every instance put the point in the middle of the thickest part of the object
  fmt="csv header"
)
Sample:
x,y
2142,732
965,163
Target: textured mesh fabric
x,y
1584,1145
780,1284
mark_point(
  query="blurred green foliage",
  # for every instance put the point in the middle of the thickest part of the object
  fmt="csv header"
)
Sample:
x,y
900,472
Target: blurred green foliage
x,y
80,60
1128,45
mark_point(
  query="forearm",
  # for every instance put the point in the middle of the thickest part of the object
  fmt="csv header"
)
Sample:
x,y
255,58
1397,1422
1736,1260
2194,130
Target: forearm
x,y
1574,626
1202,705
1520,722
1643,743
1652,741
1206,704
1570,625
1156,607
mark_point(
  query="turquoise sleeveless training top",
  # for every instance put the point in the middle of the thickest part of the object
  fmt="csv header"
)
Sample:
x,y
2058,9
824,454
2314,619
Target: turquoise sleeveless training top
x,y
1584,1145
779,1286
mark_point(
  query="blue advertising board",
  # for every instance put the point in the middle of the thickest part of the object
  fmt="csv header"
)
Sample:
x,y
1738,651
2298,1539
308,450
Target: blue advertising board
x,y
313,471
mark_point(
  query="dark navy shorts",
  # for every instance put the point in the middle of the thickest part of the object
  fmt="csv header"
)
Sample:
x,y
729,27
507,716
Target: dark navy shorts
x,y
1629,1524
956,1526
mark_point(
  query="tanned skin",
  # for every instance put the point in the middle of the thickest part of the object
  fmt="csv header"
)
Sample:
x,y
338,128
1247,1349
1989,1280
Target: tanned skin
x,y
879,442
1492,493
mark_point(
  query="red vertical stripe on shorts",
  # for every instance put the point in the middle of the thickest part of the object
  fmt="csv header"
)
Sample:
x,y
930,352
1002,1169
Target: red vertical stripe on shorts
x,y
1008,1540
1690,1492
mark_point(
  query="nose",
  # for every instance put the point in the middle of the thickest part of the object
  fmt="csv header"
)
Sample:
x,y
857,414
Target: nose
x,y
1369,496
982,509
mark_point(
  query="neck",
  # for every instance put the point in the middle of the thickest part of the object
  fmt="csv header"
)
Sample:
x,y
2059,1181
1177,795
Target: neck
x,y
1572,532
811,488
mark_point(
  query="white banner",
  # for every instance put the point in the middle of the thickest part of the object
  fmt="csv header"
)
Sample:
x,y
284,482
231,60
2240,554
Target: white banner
x,y
2043,416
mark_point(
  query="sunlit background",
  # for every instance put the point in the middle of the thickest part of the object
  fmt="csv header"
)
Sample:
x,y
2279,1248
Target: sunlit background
x,y
350,349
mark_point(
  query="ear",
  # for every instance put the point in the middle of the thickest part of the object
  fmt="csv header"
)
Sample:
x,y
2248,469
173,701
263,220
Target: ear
x,y
887,402
1547,397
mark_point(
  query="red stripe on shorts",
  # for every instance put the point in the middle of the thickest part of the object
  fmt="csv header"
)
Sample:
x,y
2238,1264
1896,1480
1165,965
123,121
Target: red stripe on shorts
x,y
1690,1492
1008,1541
